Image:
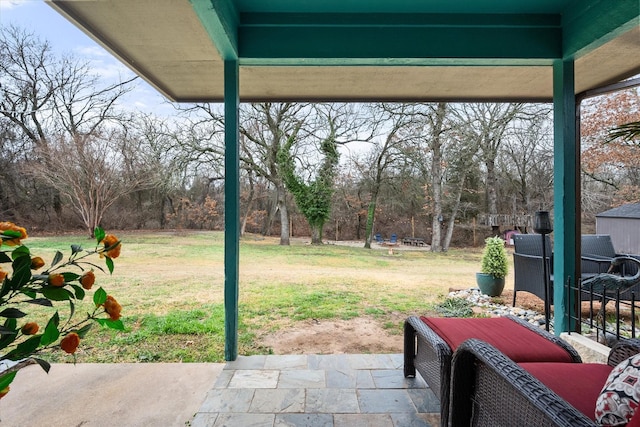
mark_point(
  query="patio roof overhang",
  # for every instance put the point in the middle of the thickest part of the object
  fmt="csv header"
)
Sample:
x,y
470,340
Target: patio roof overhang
x,y
365,50
377,50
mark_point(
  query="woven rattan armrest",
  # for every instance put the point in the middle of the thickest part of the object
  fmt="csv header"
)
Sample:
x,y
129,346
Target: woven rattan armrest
x,y
428,354
489,390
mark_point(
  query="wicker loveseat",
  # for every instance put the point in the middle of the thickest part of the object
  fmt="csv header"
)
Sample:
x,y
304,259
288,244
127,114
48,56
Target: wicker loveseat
x,y
429,344
597,253
489,389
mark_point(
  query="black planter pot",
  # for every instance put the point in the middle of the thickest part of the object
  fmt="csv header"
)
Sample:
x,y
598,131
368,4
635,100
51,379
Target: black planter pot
x,y
489,284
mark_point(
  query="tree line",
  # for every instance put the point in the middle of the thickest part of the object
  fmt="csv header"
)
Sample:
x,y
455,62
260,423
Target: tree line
x,y
71,156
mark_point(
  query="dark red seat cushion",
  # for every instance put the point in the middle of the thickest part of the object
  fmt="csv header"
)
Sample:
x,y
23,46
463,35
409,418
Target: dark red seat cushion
x,y
514,340
577,383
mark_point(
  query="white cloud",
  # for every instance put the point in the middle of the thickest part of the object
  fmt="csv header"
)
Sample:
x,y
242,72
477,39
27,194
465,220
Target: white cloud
x,y
91,51
12,4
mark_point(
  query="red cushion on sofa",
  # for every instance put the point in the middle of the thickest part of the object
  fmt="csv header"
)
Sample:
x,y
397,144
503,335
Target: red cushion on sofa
x,y
514,340
577,383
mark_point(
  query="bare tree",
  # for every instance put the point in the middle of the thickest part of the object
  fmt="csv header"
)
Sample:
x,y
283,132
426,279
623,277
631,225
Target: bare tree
x,y
434,125
486,125
46,96
87,171
51,100
528,152
151,155
445,158
387,151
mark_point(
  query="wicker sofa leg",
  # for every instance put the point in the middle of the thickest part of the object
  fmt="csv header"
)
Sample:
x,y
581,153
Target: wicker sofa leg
x,y
409,350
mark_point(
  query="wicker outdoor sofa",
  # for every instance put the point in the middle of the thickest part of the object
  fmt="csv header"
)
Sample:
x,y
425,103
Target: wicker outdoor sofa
x,y
429,344
488,389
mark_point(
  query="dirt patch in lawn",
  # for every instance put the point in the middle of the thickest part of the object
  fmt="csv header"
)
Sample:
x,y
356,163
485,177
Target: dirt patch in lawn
x,y
356,336
359,335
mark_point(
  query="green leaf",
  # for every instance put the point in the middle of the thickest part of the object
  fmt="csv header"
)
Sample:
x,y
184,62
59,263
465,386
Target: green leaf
x,y
21,272
29,292
82,332
99,234
51,333
109,263
4,257
76,249
72,309
8,338
99,297
80,293
70,277
6,287
21,251
6,331
113,324
43,364
40,301
96,266
12,234
25,348
12,313
56,294
57,258
6,379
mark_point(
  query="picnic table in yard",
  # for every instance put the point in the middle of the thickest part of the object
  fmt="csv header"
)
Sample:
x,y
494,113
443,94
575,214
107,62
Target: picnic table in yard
x,y
413,241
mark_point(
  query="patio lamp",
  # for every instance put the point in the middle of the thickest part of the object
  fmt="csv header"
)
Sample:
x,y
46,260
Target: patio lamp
x,y
542,226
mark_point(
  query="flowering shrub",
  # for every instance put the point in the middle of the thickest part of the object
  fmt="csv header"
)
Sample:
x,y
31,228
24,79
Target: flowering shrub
x,y
23,285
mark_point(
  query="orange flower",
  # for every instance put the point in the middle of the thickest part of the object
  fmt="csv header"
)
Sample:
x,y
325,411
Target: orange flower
x,y
88,279
70,343
112,308
111,246
30,328
56,280
3,274
4,392
9,226
36,263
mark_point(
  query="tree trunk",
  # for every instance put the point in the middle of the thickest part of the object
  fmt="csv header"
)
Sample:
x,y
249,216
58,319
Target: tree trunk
x,y
371,213
161,217
268,222
369,226
492,196
284,216
316,235
452,218
252,193
436,234
436,178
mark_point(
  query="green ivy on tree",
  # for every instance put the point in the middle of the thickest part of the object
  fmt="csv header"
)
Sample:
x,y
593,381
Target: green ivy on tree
x,y
312,198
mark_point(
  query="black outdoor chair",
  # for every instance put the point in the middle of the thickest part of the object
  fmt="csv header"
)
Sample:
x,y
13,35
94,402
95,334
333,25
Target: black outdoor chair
x,y
597,254
528,267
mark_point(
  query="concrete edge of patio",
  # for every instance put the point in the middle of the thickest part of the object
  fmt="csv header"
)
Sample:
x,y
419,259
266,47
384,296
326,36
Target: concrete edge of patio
x,y
91,394
590,350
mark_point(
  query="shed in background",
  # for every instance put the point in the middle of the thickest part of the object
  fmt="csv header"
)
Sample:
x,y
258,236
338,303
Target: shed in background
x,y
623,225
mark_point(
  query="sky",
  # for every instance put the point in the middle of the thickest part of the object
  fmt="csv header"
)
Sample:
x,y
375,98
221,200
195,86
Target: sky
x,y
38,17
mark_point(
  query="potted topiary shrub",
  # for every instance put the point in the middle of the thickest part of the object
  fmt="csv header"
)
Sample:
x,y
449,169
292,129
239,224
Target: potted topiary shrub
x,y
494,267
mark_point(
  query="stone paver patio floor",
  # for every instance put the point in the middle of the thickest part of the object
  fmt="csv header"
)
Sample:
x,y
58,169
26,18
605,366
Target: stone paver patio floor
x,y
318,391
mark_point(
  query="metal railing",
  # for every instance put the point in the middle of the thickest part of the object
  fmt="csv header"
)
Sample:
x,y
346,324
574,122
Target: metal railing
x,y
609,325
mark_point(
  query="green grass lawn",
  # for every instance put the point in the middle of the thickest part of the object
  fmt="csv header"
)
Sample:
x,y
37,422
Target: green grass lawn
x,y
171,284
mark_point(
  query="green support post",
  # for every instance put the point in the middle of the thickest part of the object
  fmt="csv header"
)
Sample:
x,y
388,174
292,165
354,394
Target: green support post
x,y
231,207
566,194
